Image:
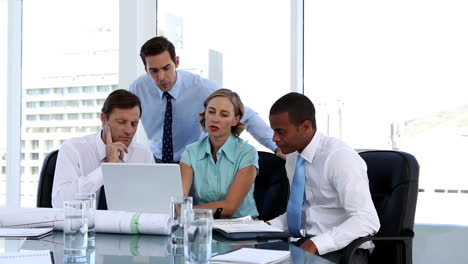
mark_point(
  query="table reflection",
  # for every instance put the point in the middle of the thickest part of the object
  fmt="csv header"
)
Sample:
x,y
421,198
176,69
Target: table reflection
x,y
117,249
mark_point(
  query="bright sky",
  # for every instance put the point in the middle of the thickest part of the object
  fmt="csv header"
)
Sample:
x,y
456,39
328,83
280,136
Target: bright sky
x,y
385,61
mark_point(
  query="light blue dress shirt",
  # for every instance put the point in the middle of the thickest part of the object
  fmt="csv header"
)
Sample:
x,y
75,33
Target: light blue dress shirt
x,y
188,93
211,181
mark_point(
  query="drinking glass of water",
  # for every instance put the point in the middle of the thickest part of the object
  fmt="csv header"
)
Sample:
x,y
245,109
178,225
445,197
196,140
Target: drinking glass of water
x,y
90,199
197,236
75,229
180,205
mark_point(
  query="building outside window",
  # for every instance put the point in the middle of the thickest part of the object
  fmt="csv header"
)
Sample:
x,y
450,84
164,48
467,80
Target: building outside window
x,y
392,75
73,70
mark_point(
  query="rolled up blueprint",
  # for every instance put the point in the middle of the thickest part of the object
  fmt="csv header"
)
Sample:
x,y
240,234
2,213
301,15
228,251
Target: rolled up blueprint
x,y
119,222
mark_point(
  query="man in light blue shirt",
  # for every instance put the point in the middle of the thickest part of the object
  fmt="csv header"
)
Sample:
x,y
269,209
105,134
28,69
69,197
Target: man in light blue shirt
x,y
172,99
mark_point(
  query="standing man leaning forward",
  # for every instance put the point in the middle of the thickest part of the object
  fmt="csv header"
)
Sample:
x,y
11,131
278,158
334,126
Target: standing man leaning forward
x,y
330,203
172,99
79,159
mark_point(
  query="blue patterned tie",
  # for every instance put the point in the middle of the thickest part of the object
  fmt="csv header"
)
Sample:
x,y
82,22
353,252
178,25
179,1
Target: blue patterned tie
x,y
167,149
296,198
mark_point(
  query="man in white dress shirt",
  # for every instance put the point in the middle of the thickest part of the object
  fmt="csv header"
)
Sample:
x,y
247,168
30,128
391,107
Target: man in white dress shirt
x,y
334,205
79,160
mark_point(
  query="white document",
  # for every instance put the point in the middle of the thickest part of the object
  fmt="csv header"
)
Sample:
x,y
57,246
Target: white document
x,y
244,224
26,257
119,222
25,232
252,256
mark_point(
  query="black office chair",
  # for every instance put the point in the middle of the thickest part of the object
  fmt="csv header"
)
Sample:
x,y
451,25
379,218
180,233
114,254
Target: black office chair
x,y
393,180
271,190
46,180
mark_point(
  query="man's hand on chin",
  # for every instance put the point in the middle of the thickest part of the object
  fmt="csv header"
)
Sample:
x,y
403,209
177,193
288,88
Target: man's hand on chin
x,y
309,246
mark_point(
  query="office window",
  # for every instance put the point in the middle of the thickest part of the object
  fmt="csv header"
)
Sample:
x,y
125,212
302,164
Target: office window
x,y
57,116
34,156
88,116
58,104
73,90
34,170
72,70
34,144
72,116
44,117
89,89
392,75
103,89
226,42
31,117
88,103
59,91
72,103
3,95
31,104
49,143
45,104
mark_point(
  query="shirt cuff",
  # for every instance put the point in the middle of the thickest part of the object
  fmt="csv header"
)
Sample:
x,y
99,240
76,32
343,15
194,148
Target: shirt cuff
x,y
92,182
280,222
324,243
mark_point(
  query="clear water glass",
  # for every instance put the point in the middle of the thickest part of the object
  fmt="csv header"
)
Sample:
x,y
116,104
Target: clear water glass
x,y
197,236
75,229
180,205
90,199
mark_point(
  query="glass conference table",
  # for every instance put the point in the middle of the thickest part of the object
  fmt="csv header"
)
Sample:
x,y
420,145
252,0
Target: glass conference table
x,y
142,249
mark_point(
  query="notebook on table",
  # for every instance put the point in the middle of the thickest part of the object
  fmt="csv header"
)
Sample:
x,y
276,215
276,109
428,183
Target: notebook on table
x,y
34,233
247,228
252,256
145,188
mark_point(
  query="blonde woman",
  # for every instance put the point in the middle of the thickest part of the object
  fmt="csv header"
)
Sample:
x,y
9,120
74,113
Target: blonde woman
x,y
221,167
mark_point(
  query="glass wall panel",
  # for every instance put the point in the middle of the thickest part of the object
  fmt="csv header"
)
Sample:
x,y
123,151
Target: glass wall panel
x,y
243,45
3,97
69,48
392,75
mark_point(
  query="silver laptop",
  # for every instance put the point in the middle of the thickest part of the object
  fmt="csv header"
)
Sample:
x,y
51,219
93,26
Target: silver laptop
x,y
145,188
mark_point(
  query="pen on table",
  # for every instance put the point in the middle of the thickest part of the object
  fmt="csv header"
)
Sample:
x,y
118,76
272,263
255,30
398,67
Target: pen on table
x,y
217,214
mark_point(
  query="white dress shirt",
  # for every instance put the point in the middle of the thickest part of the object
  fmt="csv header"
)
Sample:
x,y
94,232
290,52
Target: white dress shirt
x,y
338,207
78,167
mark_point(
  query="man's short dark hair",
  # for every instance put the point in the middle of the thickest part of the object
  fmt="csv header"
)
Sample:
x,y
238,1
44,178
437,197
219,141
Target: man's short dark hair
x,y
298,107
156,46
122,99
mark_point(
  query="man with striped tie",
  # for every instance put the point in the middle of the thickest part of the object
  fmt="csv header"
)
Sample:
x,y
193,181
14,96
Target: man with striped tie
x,y
330,203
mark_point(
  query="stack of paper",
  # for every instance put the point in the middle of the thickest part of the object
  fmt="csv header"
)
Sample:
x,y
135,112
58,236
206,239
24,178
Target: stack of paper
x,y
247,228
27,257
252,256
25,232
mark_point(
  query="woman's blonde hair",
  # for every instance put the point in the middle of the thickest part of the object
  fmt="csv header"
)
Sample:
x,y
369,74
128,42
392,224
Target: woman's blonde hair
x,y
238,109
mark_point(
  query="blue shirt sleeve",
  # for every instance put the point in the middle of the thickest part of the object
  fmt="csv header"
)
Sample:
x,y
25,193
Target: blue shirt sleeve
x,y
257,127
185,158
249,157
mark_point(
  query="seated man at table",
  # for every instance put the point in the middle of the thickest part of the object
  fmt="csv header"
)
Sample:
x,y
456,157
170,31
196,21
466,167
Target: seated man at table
x,y
79,159
330,203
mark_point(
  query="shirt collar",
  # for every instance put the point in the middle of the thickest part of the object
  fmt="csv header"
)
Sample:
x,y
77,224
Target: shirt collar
x,y
101,147
175,90
309,151
227,148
